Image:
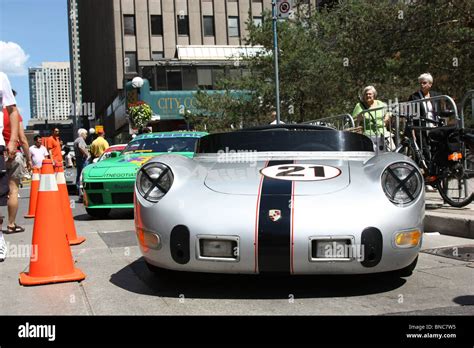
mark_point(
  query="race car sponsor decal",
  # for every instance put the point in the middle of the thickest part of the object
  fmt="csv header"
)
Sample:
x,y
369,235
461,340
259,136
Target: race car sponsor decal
x,y
137,160
273,237
119,175
301,172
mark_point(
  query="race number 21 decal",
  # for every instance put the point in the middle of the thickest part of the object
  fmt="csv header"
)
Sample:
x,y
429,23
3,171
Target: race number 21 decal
x,y
301,172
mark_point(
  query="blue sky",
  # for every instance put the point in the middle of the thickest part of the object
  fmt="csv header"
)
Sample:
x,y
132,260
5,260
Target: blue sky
x,y
40,28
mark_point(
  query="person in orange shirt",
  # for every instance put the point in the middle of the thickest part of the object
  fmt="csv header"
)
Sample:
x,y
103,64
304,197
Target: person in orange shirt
x,y
54,147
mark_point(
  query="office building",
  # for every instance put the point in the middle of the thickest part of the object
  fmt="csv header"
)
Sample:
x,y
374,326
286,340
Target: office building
x,y
177,45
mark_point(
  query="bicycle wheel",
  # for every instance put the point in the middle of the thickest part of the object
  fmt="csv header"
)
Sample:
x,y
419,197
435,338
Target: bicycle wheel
x,y
457,186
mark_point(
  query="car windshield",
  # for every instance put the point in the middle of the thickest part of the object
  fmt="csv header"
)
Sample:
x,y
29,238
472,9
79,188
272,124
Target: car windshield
x,y
281,139
175,144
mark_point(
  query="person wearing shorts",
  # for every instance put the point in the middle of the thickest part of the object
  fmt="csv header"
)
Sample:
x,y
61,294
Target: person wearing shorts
x,y
15,170
7,100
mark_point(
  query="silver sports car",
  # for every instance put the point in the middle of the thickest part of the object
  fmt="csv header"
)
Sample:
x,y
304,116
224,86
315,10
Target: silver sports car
x,y
292,199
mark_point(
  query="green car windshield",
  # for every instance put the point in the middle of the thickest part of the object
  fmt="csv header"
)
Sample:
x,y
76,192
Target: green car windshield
x,y
177,144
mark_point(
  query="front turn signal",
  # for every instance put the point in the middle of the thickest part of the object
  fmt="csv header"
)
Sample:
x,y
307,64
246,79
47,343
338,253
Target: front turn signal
x,y
408,239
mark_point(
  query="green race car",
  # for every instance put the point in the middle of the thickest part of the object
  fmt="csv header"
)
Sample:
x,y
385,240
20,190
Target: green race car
x,y
109,184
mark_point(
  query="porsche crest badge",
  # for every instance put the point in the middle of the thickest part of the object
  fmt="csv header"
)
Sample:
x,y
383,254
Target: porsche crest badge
x,y
274,214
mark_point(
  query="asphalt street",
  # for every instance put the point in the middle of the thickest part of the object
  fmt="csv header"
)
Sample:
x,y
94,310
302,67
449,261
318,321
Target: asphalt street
x,y
119,283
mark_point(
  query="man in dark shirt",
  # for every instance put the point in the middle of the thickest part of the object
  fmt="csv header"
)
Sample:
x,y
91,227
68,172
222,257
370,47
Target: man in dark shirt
x,y
82,158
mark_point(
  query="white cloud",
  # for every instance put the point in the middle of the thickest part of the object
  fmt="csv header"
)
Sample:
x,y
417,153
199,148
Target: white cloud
x,y
12,58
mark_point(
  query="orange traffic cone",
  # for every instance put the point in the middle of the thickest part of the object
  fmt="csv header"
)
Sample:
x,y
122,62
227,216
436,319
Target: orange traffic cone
x,y
66,208
35,180
51,259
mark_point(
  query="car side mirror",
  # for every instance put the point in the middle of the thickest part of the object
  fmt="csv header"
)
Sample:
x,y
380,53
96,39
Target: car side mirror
x,y
114,154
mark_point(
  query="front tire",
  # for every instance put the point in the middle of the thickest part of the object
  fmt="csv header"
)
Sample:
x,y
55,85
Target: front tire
x,y
98,213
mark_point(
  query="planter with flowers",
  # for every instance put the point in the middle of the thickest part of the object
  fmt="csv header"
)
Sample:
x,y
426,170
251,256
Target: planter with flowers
x,y
139,114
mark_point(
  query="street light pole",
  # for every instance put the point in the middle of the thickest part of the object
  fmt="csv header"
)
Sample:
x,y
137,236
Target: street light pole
x,y
275,57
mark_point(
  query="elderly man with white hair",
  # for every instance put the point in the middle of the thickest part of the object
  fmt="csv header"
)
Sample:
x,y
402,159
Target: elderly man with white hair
x,y
82,157
427,109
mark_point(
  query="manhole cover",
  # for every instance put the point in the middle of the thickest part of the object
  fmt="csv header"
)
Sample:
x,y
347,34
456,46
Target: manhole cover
x,y
461,252
119,239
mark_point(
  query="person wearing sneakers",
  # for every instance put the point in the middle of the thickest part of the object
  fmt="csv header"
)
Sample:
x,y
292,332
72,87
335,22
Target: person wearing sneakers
x,y
15,170
7,100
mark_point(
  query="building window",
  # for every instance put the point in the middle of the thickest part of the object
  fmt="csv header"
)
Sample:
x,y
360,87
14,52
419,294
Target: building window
x,y
157,55
130,63
189,78
161,78
129,24
204,78
183,25
174,80
208,22
156,25
257,21
233,25
148,72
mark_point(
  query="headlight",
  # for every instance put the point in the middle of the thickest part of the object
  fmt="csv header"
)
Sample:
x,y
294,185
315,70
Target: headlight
x,y
402,183
153,181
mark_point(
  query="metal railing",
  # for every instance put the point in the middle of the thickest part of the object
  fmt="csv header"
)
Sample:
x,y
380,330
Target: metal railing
x,y
339,122
439,104
373,126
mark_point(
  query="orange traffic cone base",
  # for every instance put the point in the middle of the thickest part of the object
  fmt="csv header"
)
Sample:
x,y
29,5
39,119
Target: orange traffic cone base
x,y
77,241
77,275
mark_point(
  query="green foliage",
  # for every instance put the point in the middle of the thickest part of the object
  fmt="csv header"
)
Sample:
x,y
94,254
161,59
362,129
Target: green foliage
x,y
325,60
140,114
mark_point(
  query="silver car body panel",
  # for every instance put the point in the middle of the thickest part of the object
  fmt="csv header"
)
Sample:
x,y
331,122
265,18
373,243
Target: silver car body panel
x,y
215,196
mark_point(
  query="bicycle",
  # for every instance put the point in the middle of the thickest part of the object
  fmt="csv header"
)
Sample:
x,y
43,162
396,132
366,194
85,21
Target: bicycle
x,y
445,158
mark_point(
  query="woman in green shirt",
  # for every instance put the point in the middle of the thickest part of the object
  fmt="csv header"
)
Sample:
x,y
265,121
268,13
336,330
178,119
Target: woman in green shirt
x,y
374,122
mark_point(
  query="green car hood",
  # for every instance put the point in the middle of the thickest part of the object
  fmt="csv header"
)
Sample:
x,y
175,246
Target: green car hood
x,y
124,166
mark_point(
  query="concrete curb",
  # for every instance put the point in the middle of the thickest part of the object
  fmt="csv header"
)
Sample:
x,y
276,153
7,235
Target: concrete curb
x,y
450,224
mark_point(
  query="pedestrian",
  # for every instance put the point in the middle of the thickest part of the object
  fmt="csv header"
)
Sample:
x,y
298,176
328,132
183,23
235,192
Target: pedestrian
x,y
7,100
38,152
374,122
15,170
53,144
82,159
428,109
99,145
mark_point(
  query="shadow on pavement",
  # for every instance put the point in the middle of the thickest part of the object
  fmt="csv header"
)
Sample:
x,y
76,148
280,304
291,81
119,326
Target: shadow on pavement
x,y
467,300
225,286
